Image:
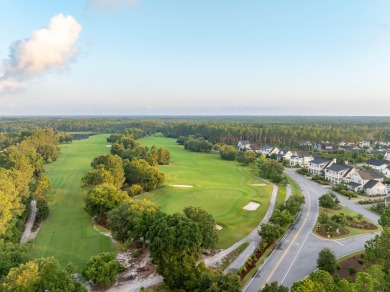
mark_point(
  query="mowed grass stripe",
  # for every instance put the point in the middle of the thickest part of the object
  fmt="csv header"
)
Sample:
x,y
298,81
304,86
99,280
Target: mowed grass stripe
x,y
68,234
221,187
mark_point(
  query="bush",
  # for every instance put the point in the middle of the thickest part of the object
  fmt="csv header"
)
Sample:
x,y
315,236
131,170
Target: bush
x,y
352,270
136,254
43,209
135,190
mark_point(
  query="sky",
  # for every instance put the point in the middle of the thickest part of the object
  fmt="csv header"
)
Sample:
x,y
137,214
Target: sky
x,y
205,57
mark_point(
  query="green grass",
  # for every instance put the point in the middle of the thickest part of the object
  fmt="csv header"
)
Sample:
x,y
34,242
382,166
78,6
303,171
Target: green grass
x,y
68,234
221,187
281,196
352,231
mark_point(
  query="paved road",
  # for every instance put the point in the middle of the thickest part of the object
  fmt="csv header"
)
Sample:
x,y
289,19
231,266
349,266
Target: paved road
x,y
30,222
295,256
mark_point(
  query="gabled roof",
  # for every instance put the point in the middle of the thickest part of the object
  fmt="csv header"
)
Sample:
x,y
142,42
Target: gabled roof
x,y
377,162
339,167
353,184
255,147
367,174
301,154
371,183
319,161
244,142
267,147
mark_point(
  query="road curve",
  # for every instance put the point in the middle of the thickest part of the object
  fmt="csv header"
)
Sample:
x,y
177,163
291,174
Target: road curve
x,y
295,256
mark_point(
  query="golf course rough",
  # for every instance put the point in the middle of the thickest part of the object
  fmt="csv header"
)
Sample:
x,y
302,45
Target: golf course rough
x,y
68,234
220,187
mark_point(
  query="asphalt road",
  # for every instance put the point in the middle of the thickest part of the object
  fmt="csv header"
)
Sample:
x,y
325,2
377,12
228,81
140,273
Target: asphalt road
x,y
295,256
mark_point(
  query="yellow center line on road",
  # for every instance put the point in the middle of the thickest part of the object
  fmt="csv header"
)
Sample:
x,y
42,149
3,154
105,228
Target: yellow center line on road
x,y
291,243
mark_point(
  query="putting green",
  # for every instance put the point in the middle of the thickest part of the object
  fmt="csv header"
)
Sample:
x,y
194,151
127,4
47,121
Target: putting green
x,y
68,234
220,187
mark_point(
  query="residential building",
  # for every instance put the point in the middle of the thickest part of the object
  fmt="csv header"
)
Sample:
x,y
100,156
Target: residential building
x,y
283,155
361,177
244,145
375,187
378,164
317,165
338,173
300,158
269,150
386,172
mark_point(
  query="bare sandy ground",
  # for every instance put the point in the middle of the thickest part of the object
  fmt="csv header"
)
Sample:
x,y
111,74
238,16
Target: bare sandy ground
x,y
182,186
251,206
218,227
108,146
258,185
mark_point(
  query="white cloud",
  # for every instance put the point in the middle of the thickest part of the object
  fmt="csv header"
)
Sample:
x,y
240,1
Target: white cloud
x,y
110,3
49,49
9,86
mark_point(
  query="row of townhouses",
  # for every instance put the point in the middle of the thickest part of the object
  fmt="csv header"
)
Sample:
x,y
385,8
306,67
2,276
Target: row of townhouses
x,y
371,180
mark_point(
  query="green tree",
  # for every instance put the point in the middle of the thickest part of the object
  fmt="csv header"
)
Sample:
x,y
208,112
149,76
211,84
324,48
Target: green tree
x,y
114,165
163,156
378,250
364,282
274,287
175,242
322,279
270,232
103,198
228,152
384,221
44,274
304,285
152,157
327,260
102,269
133,219
206,225
12,255
246,157
140,172
97,177
283,218
327,201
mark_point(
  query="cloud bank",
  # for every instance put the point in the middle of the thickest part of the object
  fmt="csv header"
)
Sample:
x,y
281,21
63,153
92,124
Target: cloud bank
x,y
110,4
49,49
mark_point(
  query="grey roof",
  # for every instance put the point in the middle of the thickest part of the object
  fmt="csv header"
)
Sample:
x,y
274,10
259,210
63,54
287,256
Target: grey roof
x,y
353,184
370,184
319,161
244,142
339,167
267,147
378,162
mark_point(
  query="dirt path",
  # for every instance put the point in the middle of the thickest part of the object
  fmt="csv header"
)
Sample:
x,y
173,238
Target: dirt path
x,y
30,222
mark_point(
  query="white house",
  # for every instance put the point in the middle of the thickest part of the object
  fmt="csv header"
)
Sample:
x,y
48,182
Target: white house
x,y
375,187
284,155
244,145
386,171
269,150
361,177
317,165
300,158
365,143
378,164
337,173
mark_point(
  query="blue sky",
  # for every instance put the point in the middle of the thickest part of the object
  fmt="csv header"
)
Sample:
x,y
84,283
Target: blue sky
x,y
220,57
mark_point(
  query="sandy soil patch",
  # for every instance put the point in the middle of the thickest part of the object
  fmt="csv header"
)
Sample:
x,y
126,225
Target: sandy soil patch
x,y
182,186
108,146
258,185
218,227
251,206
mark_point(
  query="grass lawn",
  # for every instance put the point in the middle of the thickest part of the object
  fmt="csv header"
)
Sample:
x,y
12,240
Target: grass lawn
x,y
352,231
68,234
220,187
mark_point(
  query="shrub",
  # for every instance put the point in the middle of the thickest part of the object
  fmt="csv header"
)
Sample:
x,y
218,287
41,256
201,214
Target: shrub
x,y
135,190
352,270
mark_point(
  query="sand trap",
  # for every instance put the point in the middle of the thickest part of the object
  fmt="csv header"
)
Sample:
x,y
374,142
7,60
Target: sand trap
x,y
218,227
251,206
182,186
108,146
258,185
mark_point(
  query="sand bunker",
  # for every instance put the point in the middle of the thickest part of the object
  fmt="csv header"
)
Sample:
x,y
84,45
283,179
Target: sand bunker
x,y
258,185
251,206
182,186
108,146
218,227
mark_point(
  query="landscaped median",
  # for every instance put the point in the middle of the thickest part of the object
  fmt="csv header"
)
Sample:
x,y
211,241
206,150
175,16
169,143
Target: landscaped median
x,y
337,221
